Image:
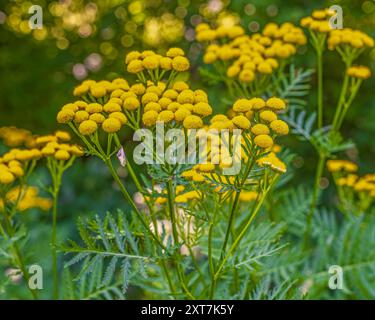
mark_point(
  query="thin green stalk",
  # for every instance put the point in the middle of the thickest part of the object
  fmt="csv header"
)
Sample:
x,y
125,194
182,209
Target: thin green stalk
x,y
235,205
320,88
230,221
341,102
195,263
318,42
310,214
175,237
210,234
56,171
348,104
127,196
238,239
162,262
54,250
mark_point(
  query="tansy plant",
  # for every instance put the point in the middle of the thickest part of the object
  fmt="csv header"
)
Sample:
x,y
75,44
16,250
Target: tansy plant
x,y
59,155
249,65
181,210
255,64
192,225
349,44
17,165
215,213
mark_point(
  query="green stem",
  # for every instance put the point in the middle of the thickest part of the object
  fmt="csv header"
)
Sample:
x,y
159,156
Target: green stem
x,y
54,250
238,239
315,198
175,237
127,196
56,169
162,262
341,103
210,234
348,104
235,205
230,222
320,88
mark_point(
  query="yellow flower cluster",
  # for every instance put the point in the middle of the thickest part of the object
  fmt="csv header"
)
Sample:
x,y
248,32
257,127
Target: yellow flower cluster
x,y
356,193
287,32
353,38
359,72
205,33
13,162
199,172
179,104
90,116
188,196
247,196
91,90
15,137
144,102
258,117
366,184
341,165
181,196
204,173
10,171
148,60
359,184
258,120
28,199
344,172
259,53
318,21
271,160
56,146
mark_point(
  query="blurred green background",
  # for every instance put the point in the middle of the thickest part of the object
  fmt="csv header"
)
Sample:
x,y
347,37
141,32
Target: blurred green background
x,y
84,39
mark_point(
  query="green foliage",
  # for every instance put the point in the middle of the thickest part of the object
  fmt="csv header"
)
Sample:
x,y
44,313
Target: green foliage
x,y
294,86
302,124
106,244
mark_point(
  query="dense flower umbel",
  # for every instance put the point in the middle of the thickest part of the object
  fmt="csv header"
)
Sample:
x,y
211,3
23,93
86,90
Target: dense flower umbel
x,y
14,162
178,104
92,113
359,72
246,56
15,137
356,193
57,146
143,103
28,199
318,21
337,38
258,120
148,63
341,165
